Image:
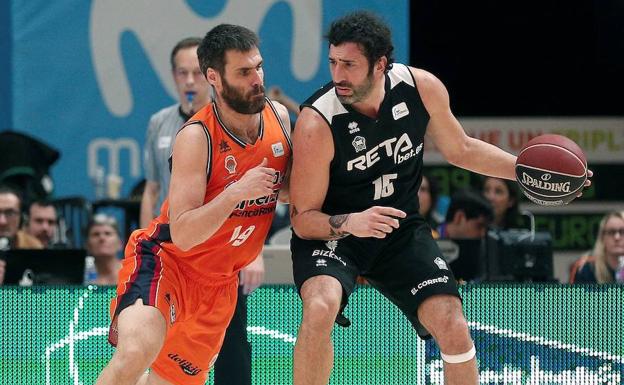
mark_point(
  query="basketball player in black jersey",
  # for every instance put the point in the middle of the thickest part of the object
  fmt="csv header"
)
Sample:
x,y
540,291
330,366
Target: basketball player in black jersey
x,y
358,150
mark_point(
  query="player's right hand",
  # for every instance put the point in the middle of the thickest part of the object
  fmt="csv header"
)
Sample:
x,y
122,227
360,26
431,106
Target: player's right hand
x,y
255,183
376,222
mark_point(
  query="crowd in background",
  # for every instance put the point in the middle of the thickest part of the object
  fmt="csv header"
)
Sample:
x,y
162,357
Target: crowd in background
x,y
37,226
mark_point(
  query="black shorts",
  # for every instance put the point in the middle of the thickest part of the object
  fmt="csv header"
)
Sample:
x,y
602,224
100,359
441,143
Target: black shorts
x,y
407,267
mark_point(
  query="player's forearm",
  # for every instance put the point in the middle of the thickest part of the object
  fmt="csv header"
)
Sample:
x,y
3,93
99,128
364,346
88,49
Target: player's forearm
x,y
314,224
484,158
195,226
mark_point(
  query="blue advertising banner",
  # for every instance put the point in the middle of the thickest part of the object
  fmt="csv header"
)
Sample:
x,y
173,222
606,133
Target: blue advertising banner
x,y
87,75
5,66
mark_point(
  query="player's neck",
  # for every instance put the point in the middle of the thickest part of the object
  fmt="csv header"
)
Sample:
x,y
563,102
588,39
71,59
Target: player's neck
x,y
244,126
370,105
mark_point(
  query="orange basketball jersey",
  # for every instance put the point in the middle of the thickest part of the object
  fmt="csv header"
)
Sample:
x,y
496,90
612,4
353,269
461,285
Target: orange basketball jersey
x,y
241,237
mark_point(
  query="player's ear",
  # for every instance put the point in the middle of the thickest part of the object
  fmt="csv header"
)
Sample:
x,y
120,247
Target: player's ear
x,y
212,76
382,63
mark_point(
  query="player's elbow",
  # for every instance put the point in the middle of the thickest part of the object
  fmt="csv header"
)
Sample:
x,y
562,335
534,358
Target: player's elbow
x,y
458,153
181,243
179,239
299,228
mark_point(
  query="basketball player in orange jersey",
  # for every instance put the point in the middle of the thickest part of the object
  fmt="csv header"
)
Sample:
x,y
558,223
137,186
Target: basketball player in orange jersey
x,y
177,289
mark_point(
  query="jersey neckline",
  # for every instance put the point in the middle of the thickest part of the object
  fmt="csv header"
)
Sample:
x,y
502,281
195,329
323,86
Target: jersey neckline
x,y
382,105
233,136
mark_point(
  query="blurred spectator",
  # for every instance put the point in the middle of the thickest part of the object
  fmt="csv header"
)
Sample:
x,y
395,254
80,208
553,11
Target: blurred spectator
x,y
42,222
103,242
276,93
468,216
428,199
280,224
11,237
600,265
193,93
503,194
25,164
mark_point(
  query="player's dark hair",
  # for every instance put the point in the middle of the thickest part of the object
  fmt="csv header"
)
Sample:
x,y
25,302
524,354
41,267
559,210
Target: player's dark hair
x,y
472,203
188,42
219,40
368,31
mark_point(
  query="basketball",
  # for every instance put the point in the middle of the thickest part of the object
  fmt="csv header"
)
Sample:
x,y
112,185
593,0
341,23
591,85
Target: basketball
x,y
551,170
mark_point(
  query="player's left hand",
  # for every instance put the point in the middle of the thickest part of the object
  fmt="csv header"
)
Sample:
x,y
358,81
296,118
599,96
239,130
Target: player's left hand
x,y
252,275
588,183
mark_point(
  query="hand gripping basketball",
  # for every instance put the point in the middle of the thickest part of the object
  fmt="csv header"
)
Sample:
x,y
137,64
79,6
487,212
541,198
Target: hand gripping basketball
x,y
552,170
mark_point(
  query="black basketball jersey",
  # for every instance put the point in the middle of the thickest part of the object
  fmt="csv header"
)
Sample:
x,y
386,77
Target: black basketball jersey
x,y
377,162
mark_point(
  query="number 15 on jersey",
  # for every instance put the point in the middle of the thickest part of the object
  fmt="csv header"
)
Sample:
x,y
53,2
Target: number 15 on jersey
x,y
383,186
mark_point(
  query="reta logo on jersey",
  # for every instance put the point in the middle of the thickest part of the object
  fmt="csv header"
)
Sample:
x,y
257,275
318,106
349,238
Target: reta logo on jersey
x,y
399,150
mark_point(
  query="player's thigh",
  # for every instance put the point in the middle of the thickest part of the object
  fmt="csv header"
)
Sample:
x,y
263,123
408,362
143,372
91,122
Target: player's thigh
x,y
196,332
321,287
141,327
410,271
323,269
441,314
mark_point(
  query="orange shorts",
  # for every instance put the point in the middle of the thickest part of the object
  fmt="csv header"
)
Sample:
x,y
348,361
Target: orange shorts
x,y
197,311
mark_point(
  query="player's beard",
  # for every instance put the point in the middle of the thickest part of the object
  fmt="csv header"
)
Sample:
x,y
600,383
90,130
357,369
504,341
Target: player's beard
x,y
360,92
250,103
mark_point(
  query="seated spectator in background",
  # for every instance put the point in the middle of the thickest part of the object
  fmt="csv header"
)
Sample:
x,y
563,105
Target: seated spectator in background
x,y
103,242
276,93
600,266
503,194
468,216
427,200
42,222
281,223
11,237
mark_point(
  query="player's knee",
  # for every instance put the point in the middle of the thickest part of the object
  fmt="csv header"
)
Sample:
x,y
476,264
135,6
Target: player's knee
x,y
321,312
452,334
130,362
141,328
442,315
